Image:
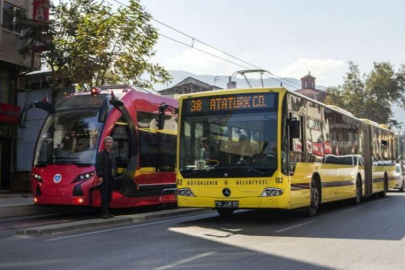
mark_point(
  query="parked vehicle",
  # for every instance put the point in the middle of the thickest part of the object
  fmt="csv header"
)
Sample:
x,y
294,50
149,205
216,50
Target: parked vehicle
x,y
400,174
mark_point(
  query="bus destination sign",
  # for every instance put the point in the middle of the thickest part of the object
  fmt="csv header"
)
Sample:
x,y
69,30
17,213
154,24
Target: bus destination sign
x,y
231,103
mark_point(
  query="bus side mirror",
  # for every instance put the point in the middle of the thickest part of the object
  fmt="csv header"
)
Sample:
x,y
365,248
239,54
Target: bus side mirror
x,y
102,114
161,120
294,129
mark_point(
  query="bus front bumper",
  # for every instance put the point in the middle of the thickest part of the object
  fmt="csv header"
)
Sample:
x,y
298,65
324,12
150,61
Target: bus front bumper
x,y
279,202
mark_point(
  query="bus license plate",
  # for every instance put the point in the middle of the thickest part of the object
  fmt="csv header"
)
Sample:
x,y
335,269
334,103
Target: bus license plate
x,y
226,204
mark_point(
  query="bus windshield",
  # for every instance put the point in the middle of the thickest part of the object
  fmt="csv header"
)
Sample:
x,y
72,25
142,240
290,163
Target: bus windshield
x,y
69,137
229,144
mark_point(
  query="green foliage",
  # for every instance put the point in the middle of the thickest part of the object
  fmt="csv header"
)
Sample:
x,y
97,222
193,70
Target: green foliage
x,y
88,43
370,96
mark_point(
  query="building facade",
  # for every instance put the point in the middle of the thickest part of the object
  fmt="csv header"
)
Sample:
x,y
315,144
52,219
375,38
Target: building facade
x,y
308,88
12,67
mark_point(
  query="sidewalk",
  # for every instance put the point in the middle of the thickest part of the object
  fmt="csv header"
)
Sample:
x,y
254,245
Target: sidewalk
x,y
13,205
98,222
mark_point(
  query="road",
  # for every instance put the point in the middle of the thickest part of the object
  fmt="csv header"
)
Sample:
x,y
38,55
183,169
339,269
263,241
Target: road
x,y
368,236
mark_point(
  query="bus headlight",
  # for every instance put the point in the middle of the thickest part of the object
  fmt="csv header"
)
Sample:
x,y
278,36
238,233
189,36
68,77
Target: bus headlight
x,y
271,192
186,192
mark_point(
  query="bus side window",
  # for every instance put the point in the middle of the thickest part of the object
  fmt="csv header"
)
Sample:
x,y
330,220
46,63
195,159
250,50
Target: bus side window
x,y
296,144
120,135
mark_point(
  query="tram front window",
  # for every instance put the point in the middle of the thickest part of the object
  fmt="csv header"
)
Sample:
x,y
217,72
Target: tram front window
x,y
69,138
232,144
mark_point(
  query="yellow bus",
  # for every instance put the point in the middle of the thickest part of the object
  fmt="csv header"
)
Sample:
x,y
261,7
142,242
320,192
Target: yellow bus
x,y
273,148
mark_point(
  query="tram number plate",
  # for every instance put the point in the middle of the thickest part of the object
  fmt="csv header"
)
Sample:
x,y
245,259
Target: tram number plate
x,y
226,204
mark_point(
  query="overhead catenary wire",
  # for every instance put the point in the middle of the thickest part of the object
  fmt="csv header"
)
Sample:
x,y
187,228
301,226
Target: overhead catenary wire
x,y
193,40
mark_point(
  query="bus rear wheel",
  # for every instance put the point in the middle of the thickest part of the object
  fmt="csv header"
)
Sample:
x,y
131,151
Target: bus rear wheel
x,y
383,194
357,199
225,212
315,199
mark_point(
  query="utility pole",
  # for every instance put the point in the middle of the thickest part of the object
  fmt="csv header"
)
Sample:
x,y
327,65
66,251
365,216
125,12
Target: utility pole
x,y
216,78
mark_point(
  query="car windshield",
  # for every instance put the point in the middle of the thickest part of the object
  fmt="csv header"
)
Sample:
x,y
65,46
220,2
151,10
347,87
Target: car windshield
x,y
69,138
229,143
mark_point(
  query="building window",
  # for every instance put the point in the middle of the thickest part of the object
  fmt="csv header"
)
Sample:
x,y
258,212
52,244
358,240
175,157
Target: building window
x,y
306,84
10,18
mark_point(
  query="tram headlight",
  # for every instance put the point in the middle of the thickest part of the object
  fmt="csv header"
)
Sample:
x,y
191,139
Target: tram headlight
x,y
272,192
186,192
37,177
84,176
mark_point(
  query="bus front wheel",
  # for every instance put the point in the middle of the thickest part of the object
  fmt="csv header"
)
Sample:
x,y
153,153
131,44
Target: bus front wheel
x,y
225,212
315,199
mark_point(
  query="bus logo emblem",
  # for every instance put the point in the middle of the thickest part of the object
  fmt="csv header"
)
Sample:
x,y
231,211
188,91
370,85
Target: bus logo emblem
x,y
226,192
57,178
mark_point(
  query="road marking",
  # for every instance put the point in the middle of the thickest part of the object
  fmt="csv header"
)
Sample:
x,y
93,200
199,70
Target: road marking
x,y
351,209
128,227
295,226
184,261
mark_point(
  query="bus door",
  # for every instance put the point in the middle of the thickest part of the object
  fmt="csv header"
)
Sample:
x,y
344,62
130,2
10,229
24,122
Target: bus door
x,y
296,158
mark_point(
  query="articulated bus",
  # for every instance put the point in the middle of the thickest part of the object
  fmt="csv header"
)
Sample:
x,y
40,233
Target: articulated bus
x,y
272,148
63,170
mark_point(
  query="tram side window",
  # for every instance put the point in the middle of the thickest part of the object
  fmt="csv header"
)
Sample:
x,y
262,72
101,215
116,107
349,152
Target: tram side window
x,y
147,139
146,120
120,135
147,143
167,152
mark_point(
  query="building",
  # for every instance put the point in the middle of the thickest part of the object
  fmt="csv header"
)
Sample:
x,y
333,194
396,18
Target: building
x,y
12,66
308,88
188,85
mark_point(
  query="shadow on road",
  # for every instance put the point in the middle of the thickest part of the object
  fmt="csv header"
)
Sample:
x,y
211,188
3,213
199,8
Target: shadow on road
x,y
373,219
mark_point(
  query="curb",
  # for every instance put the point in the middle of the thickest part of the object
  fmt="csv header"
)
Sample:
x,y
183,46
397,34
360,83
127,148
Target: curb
x,y
99,223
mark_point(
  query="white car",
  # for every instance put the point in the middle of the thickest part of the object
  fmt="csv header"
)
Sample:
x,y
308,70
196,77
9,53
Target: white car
x,y
399,174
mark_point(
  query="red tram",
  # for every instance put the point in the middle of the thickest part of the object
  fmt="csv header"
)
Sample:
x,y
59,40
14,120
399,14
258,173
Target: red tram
x,y
63,170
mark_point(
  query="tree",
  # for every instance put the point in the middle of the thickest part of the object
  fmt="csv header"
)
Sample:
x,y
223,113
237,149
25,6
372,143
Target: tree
x,y
370,96
88,43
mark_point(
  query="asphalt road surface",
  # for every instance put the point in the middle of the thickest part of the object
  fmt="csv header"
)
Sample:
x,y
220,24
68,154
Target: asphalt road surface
x,y
367,236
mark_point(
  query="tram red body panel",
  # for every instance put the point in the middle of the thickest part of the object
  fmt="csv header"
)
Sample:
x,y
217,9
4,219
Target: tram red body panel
x,y
57,185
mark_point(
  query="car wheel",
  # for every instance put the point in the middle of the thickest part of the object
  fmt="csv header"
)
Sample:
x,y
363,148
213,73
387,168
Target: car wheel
x,y
357,199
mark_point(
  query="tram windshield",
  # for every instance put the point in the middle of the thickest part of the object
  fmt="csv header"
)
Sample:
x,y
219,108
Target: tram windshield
x,y
69,137
231,142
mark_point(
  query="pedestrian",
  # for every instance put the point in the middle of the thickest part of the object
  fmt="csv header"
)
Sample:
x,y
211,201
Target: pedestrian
x,y
105,170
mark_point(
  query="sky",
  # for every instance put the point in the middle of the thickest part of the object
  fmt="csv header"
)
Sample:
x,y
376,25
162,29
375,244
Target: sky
x,y
288,38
